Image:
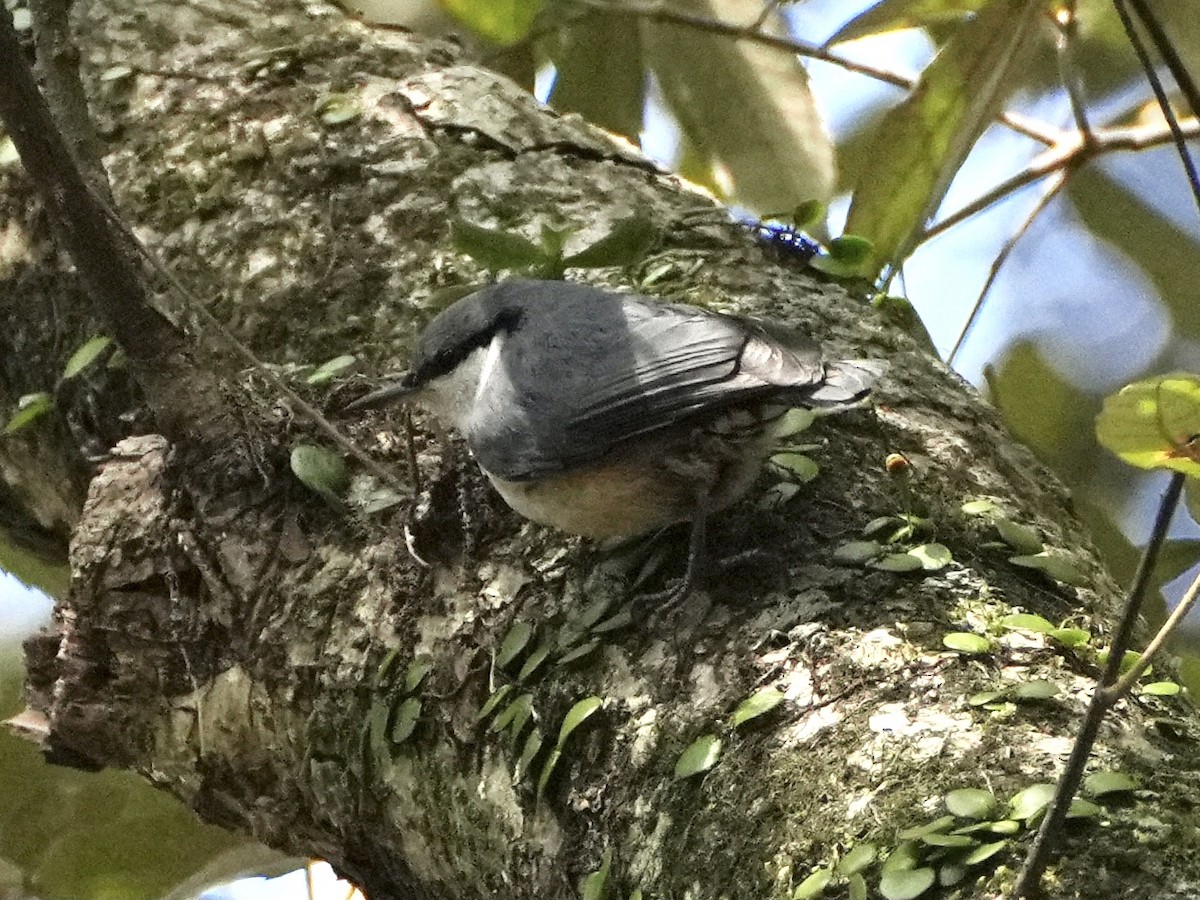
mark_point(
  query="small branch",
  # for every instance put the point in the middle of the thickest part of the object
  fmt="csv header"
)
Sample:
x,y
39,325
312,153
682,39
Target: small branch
x,y
1036,131
1181,75
1130,678
1066,157
1178,68
1060,179
58,65
1029,881
182,395
1067,27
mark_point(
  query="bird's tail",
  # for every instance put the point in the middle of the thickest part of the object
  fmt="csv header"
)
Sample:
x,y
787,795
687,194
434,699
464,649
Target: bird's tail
x,y
847,383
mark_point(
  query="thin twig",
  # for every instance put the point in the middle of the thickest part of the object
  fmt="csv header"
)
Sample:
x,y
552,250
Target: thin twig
x,y
1066,156
1059,180
1164,47
1129,679
1177,67
1067,25
1029,881
1024,125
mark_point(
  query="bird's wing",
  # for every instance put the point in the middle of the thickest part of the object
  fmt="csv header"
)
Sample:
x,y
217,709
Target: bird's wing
x,y
641,367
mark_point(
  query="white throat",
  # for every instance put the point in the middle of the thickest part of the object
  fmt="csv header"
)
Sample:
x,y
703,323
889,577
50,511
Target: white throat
x,y
451,397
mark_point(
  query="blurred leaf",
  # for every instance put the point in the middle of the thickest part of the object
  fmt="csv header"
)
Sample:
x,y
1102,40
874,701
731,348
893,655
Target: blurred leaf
x,y
971,803
905,884
406,720
1022,538
514,642
1031,801
921,144
625,245
894,15
700,756
932,556
109,834
499,21
755,705
814,885
1108,782
1056,565
330,369
1044,410
85,355
49,574
1028,622
495,248
601,75
1150,423
591,886
966,642
1157,245
320,469
30,408
761,126
576,716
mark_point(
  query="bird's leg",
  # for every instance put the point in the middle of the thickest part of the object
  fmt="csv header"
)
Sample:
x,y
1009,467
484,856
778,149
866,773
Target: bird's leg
x,y
694,569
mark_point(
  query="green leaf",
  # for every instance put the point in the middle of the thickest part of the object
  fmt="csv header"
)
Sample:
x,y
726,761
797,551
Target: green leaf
x,y
576,716
971,803
547,770
1083,809
1149,423
941,823
30,408
755,705
625,245
584,649
814,885
700,756
406,720
763,113
533,743
859,857
903,859
932,556
984,852
591,886
920,145
1021,538
1070,637
985,697
982,507
417,670
502,22
337,109
1108,782
534,661
948,840
599,71
895,15
906,884
516,713
1128,661
514,642
1027,622
494,248
1056,566
856,553
622,618
85,355
793,422
966,642
320,469
951,874
800,468
496,698
850,250
1034,690
1161,689
330,369
856,887
897,562
1031,801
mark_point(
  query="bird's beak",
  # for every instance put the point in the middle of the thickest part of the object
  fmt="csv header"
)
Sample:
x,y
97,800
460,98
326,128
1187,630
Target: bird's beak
x,y
397,391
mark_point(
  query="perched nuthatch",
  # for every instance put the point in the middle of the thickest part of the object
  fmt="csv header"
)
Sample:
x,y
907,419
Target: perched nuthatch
x,y
609,415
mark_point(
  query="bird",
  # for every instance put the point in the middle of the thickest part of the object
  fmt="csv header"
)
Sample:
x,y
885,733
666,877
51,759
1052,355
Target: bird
x,y
611,415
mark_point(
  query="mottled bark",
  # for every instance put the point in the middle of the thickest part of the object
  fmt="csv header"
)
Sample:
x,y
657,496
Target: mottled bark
x,y
245,644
